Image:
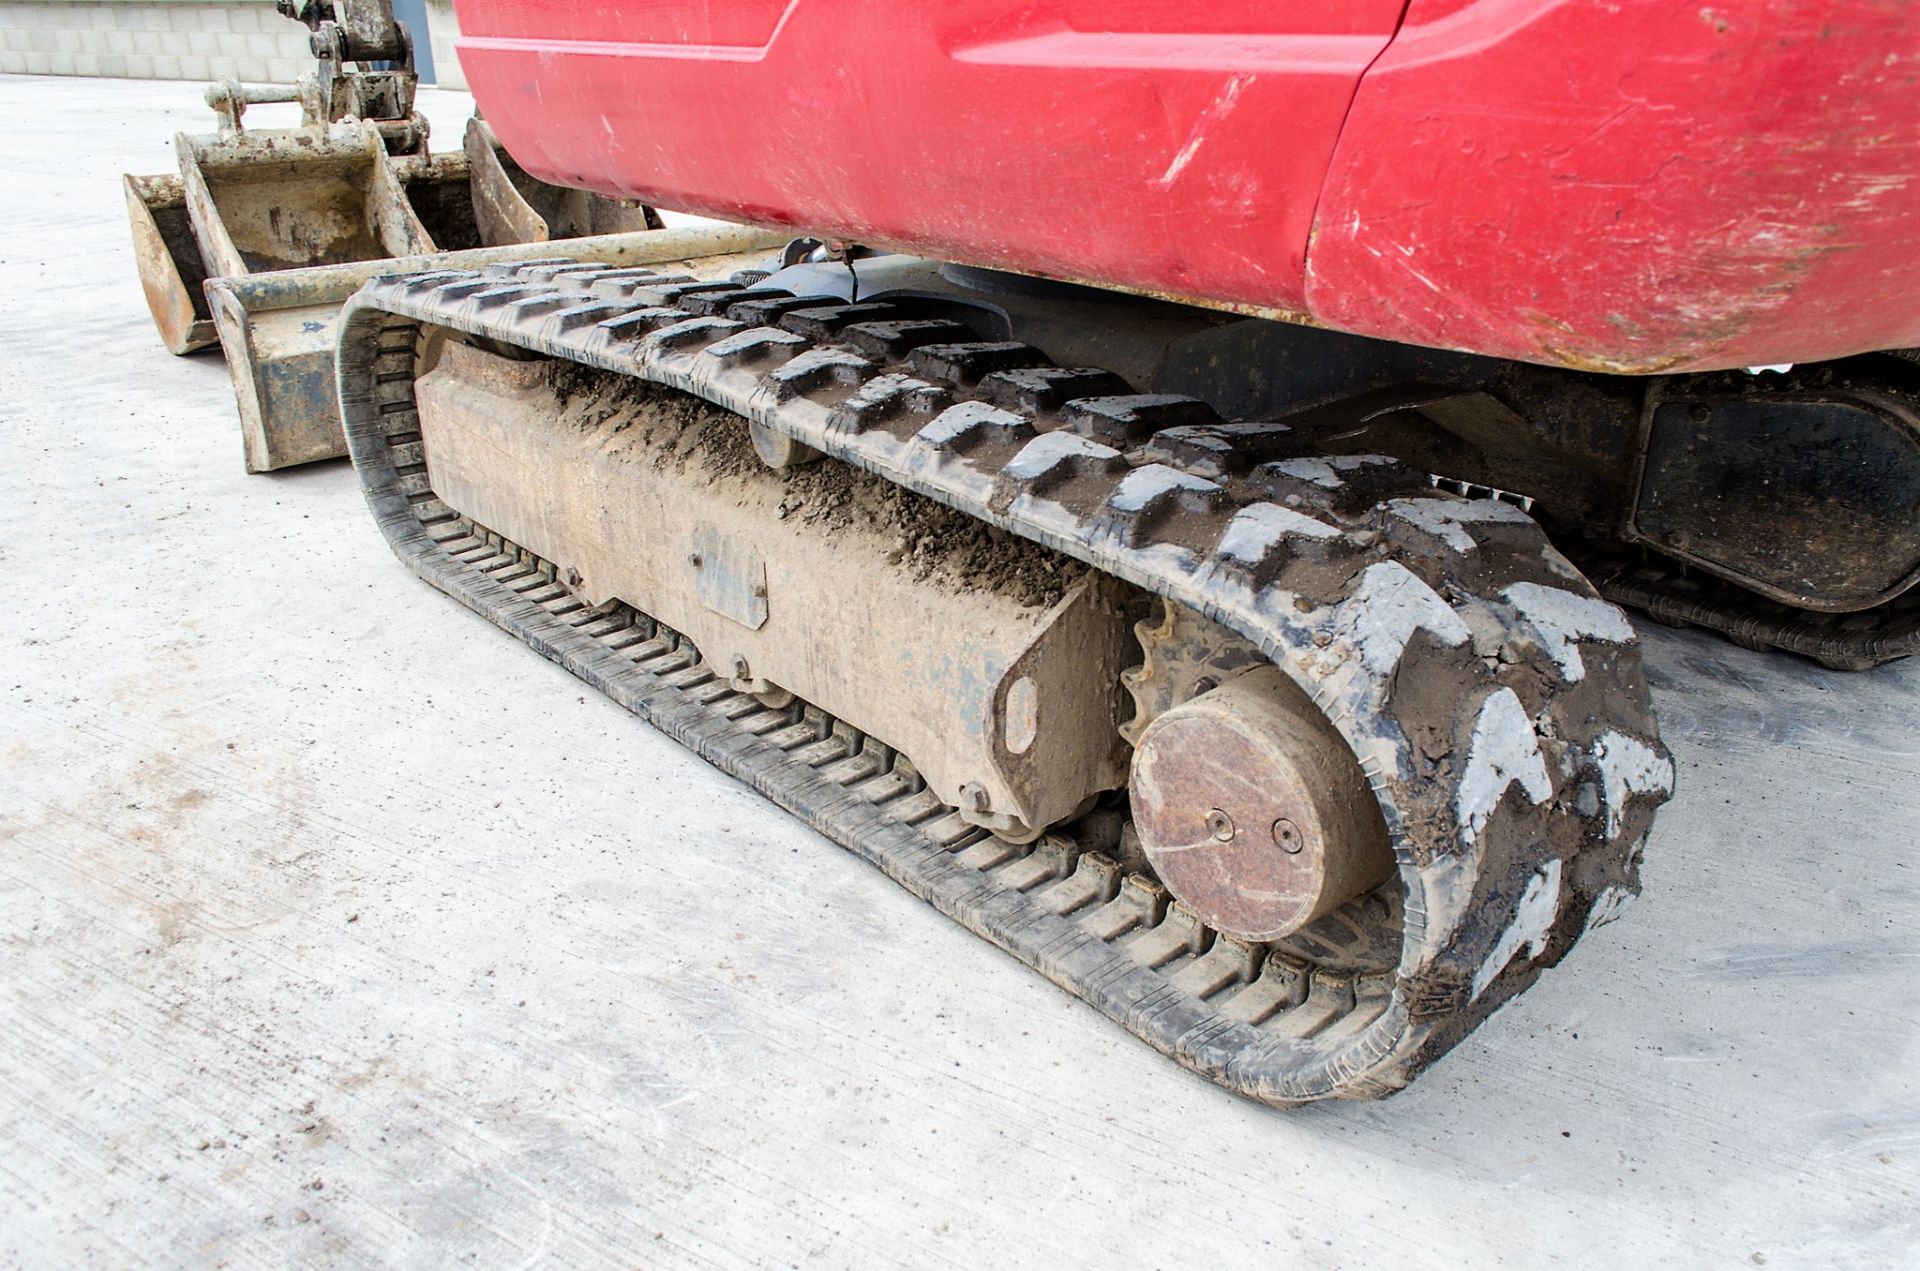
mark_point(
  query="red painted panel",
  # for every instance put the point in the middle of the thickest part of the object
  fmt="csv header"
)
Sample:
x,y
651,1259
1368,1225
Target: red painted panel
x,y
748,23
1640,185
1176,146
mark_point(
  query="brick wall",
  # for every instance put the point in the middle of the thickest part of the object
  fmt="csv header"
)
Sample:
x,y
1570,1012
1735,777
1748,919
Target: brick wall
x,y
443,28
241,39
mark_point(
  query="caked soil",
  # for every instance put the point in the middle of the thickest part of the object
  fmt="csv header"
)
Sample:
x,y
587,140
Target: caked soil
x,y
933,543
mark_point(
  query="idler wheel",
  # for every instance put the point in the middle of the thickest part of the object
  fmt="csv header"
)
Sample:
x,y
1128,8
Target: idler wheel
x,y
1253,811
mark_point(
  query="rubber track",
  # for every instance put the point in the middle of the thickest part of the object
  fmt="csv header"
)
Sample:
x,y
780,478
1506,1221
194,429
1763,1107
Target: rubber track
x,y
1496,704
1687,598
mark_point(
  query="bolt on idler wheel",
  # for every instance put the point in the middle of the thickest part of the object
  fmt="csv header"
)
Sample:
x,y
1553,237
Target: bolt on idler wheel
x,y
1253,811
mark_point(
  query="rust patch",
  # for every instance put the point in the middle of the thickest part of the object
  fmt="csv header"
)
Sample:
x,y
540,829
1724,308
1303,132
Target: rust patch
x,y
1253,811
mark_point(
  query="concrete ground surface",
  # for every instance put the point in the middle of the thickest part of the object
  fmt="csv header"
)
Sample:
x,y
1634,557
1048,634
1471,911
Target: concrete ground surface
x,y
336,927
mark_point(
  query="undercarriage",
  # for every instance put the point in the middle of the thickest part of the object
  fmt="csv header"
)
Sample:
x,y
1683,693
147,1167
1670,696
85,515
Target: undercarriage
x,y
1289,759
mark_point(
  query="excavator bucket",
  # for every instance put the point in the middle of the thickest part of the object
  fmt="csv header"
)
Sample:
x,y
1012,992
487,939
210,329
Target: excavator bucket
x,y
512,206
179,221
286,223
171,273
267,201
291,222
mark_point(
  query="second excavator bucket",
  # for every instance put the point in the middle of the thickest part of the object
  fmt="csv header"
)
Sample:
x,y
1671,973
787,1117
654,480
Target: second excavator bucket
x,y
171,272
262,234
512,206
286,200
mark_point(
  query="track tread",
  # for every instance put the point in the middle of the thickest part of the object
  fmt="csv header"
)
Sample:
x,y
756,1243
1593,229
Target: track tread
x,y
1364,600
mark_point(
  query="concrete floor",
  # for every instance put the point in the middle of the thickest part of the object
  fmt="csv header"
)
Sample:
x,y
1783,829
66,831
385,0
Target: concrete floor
x,y
338,927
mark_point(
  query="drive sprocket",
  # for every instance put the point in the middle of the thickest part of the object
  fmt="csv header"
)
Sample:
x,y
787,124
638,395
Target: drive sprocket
x,y
1182,656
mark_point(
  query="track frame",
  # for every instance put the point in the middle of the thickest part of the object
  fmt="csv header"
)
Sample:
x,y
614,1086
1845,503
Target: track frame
x,y
1496,704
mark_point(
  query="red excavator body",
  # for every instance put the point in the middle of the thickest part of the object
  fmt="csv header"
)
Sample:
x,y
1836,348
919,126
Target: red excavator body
x,y
1255,680
1637,187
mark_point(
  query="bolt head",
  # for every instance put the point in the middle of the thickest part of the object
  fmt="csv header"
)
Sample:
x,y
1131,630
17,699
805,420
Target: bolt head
x,y
1286,835
1220,825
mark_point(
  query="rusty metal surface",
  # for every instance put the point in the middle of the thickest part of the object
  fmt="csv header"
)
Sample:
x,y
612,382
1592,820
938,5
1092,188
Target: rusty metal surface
x,y
1681,597
708,250
171,272
512,206
730,578
229,99
503,216
286,199
287,223
1253,811
1185,655
281,364
353,189
777,450
1809,496
317,194
364,68
360,30
1803,484
440,192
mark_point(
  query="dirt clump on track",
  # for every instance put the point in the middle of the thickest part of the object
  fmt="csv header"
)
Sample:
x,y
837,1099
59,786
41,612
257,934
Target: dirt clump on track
x,y
933,543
